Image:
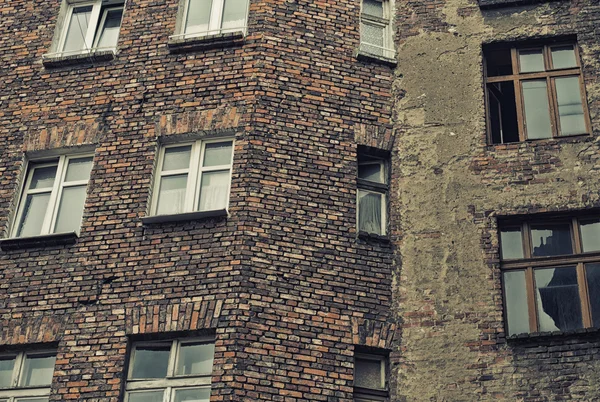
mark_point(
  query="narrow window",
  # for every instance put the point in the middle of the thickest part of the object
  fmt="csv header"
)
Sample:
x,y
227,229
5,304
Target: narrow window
x,y
534,92
373,188
171,371
193,177
26,376
209,17
370,377
376,28
53,196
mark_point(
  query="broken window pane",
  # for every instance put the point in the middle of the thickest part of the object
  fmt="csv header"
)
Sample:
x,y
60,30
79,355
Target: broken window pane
x,y
503,112
592,272
563,57
570,108
151,361
550,240
590,235
537,112
498,62
512,243
531,60
515,296
557,299
368,373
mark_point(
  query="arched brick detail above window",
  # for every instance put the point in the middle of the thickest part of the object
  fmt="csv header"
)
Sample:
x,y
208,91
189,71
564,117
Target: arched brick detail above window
x,y
71,135
42,329
371,333
374,136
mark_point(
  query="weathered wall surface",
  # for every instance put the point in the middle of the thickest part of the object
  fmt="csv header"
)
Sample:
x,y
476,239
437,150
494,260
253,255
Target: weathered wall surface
x,y
453,336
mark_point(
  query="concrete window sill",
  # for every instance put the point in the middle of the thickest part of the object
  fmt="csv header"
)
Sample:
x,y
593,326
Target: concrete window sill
x,y
57,60
54,239
185,217
374,58
189,44
508,3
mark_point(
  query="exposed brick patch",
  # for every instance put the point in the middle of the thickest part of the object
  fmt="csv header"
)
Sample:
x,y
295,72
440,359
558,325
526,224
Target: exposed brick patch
x,y
380,137
69,135
376,334
25,330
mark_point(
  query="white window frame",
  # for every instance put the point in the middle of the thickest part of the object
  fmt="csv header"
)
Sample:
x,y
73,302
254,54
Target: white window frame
x,y
364,394
171,382
92,35
16,390
379,188
194,172
55,193
387,49
214,23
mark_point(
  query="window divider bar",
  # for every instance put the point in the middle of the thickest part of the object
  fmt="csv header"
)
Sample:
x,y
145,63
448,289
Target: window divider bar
x,y
529,283
553,105
584,297
518,94
533,76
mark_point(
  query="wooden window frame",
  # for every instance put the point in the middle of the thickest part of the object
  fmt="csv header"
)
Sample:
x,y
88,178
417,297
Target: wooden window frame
x,y
171,382
215,23
16,390
382,188
528,264
362,394
549,74
385,22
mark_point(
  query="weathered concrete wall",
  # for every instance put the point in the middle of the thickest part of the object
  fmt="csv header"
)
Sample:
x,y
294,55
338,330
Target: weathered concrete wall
x,y
453,185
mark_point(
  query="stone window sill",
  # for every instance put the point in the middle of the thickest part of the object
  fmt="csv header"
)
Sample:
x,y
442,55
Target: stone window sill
x,y
54,239
51,60
373,237
185,217
180,44
508,3
554,334
374,58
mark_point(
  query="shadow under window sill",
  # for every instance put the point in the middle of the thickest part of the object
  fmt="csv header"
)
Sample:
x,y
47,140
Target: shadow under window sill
x,y
184,217
369,57
51,60
183,43
373,237
47,240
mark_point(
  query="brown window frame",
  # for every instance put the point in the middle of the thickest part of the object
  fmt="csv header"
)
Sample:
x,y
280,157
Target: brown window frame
x,y
529,263
550,74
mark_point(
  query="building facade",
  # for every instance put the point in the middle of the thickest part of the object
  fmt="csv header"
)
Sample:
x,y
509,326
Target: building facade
x,y
299,201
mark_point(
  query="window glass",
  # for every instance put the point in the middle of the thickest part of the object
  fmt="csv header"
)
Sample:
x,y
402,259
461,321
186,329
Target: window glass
x,y
373,8
177,158
234,14
37,370
592,272
151,361
198,16
367,373
537,114
146,396
563,57
195,359
171,199
557,299
217,154
515,296
43,177
371,171
33,215
7,364
551,240
214,190
192,395
570,108
109,32
70,210
369,212
531,60
78,26
590,235
512,243
79,169
372,38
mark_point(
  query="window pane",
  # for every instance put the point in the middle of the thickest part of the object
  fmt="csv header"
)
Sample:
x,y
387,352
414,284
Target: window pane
x,y
217,153
551,240
70,210
171,199
531,60
146,396
198,16
515,296
590,235
498,62
367,373
192,395
79,169
234,14
177,158
151,362
110,31
570,108
563,57
78,26
33,215
369,212
371,172
537,115
195,359
214,190
373,8
592,272
371,38
7,364
43,177
512,244
37,371
502,108
557,298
